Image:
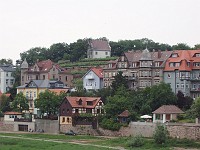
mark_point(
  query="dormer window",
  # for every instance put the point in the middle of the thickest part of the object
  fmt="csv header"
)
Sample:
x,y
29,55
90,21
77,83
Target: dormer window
x,y
80,102
174,55
89,103
109,65
197,55
157,64
122,58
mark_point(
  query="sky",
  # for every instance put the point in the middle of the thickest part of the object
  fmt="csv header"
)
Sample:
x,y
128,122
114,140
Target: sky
x,y
25,24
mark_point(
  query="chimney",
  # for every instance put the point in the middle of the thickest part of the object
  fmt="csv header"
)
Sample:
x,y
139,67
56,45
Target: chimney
x,y
159,53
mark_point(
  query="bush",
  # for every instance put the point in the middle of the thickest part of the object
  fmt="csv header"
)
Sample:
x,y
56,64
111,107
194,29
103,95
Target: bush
x,y
160,135
136,141
110,124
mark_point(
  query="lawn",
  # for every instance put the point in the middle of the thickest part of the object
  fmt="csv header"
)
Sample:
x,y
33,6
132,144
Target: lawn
x,y
40,141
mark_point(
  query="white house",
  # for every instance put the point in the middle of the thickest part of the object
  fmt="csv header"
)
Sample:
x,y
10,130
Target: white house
x,y
10,116
6,78
99,48
93,79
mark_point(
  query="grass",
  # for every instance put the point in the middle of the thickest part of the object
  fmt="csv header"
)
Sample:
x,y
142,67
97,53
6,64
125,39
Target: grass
x,y
22,144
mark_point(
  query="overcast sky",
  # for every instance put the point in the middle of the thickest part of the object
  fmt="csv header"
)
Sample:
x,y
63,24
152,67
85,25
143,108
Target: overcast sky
x,y
40,23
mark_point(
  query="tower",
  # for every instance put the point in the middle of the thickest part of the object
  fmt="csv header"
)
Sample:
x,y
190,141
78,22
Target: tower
x,y
24,68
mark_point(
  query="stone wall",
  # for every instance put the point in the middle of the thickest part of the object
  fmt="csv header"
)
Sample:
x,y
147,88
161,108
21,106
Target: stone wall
x,y
6,126
189,131
49,126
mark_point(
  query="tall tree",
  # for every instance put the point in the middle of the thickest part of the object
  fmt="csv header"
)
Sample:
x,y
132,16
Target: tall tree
x,y
183,102
195,108
6,61
20,103
181,46
119,80
48,102
4,103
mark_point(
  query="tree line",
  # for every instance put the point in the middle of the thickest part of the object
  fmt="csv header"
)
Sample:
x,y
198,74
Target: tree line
x,y
78,50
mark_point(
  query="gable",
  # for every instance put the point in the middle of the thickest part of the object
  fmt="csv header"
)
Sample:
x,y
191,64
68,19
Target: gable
x,y
31,85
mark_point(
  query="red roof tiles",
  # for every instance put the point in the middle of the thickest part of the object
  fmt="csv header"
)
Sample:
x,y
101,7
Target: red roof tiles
x,y
12,113
125,113
74,101
98,72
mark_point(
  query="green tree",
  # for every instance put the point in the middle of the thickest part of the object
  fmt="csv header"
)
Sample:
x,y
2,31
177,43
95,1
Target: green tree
x,y
181,46
20,103
6,61
195,108
48,102
119,80
78,50
4,103
197,46
160,135
183,102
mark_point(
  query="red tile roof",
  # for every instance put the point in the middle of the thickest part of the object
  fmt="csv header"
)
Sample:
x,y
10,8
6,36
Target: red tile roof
x,y
125,113
12,113
7,94
98,72
168,109
184,57
74,101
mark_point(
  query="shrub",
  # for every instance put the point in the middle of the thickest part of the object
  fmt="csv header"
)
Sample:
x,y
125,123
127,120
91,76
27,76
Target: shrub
x,y
160,135
110,124
136,141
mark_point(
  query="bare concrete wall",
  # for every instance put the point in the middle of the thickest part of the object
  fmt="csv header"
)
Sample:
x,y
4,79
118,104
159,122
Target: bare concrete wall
x,y
49,126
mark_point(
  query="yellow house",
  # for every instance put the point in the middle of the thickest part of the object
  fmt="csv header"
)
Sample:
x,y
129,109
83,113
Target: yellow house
x,y
34,87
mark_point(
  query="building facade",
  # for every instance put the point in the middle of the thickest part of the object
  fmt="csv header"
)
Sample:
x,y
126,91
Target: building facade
x,y
93,79
32,90
73,106
6,77
142,68
99,48
182,72
45,70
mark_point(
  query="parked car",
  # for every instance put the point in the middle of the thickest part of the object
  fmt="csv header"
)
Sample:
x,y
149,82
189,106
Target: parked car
x,y
70,132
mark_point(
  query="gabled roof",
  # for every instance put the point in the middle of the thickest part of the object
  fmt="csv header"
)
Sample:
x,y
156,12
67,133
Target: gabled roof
x,y
12,113
97,71
125,113
37,84
99,44
74,101
46,66
7,68
168,109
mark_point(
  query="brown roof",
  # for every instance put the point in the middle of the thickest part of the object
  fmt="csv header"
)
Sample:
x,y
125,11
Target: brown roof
x,y
74,101
125,113
6,94
168,109
12,113
99,44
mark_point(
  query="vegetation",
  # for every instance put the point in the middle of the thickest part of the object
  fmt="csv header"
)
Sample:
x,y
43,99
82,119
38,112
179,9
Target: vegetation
x,y
136,141
20,103
4,103
160,135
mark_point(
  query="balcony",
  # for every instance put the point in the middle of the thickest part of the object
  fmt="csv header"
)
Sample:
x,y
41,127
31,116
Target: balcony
x,y
90,77
131,78
195,79
195,90
185,78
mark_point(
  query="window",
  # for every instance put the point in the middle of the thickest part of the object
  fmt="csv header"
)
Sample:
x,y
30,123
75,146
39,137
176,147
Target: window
x,y
53,76
43,77
76,110
89,103
96,53
34,94
22,78
26,94
187,85
11,81
175,55
66,78
177,85
169,75
182,85
109,65
98,111
157,64
6,81
88,110
100,103
60,78
67,119
106,53
63,119
6,74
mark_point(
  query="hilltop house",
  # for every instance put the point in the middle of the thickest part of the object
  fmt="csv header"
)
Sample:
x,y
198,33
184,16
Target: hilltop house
x,y
93,79
6,78
98,48
45,70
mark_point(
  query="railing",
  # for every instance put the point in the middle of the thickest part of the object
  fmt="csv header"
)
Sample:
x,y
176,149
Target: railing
x,y
195,89
22,120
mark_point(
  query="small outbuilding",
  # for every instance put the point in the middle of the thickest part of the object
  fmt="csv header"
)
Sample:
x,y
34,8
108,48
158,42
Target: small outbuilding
x,y
166,113
10,116
124,116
